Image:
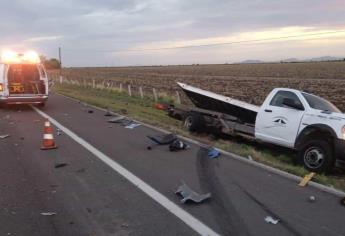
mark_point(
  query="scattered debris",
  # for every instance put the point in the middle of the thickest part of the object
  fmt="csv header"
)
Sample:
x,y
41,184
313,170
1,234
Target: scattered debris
x,y
189,195
270,220
161,106
213,153
178,145
124,225
58,132
22,138
37,120
108,113
166,139
59,165
250,157
121,120
88,210
312,199
48,213
90,111
342,201
306,179
132,126
4,136
82,170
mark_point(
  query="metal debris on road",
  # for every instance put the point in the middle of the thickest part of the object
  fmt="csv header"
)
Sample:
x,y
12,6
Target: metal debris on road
x,y
306,179
48,213
132,126
213,153
166,139
59,165
178,145
121,120
189,195
4,136
271,220
312,199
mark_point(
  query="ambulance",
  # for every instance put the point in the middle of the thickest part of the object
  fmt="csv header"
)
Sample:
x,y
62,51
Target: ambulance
x,y
23,79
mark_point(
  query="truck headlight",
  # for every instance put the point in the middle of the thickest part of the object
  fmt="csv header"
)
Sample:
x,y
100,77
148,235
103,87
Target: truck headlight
x,y
343,132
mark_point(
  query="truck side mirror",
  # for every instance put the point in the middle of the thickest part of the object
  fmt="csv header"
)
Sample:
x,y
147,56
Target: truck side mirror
x,y
291,103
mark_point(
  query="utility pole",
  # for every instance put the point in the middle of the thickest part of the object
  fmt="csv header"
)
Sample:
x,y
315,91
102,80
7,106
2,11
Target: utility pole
x,y
60,61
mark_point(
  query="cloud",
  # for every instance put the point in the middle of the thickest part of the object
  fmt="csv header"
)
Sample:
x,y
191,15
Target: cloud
x,y
41,39
86,28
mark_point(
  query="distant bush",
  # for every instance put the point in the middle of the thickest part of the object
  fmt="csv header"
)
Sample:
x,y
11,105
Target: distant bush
x,y
51,63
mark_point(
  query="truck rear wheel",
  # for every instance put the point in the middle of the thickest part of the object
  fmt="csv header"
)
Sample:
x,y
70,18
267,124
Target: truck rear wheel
x,y
317,156
193,123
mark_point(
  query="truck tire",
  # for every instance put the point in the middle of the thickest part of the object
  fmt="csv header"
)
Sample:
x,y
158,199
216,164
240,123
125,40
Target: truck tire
x,y
317,156
193,123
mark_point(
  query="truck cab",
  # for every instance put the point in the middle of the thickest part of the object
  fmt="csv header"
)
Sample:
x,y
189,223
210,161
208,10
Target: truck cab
x,y
23,79
305,122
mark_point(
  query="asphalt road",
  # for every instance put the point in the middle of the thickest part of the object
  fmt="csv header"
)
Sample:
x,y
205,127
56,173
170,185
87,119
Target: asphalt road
x,y
90,198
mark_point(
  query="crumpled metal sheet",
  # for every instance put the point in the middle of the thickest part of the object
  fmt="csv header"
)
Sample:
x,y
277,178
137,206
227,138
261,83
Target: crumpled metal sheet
x,y
163,139
189,195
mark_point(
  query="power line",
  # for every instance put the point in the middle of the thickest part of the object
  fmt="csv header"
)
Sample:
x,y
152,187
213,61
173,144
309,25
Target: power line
x,y
213,44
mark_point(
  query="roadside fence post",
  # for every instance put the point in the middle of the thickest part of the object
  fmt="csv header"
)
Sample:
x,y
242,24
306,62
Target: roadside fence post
x,y
120,87
93,83
178,98
141,92
129,90
155,94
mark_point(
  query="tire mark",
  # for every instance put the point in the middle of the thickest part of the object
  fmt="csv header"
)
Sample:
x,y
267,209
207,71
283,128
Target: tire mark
x,y
223,210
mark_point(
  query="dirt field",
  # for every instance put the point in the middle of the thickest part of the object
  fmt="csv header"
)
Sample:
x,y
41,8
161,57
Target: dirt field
x,y
248,82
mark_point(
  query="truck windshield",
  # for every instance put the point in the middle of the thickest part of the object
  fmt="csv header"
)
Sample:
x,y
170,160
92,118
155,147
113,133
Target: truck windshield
x,y
320,103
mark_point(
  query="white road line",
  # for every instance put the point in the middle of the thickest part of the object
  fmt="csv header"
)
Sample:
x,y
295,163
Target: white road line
x,y
187,218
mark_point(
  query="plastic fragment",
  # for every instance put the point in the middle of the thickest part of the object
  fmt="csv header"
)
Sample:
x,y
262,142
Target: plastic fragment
x,y
59,165
132,126
213,153
312,199
178,145
306,179
271,220
48,213
4,136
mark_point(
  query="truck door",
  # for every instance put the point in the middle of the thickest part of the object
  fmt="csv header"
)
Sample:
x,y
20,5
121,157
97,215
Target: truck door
x,y
278,123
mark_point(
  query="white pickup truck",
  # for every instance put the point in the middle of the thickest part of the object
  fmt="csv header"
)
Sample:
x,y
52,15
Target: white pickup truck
x,y
290,118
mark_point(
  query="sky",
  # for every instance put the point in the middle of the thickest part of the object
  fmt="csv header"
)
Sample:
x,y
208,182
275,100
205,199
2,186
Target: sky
x,y
167,32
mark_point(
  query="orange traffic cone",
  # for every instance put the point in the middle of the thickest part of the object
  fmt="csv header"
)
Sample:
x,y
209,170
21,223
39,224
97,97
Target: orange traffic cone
x,y
48,138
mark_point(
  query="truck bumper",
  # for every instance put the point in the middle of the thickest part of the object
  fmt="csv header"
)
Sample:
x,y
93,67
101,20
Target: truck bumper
x,y
340,149
23,99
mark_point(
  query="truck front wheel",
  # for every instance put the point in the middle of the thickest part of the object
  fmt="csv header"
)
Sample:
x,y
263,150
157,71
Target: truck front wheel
x,y
317,156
